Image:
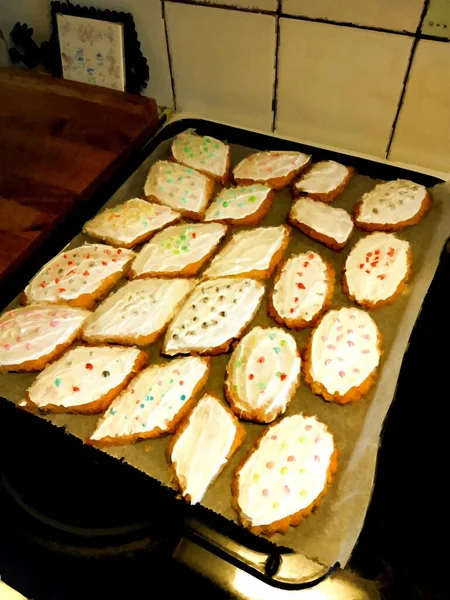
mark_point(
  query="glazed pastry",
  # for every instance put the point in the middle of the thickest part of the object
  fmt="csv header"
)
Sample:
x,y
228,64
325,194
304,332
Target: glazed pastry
x,y
154,402
325,224
32,336
85,380
243,205
342,355
263,374
391,206
138,313
202,446
214,315
377,269
250,253
204,153
178,251
324,181
285,475
302,290
130,223
79,277
276,169
183,189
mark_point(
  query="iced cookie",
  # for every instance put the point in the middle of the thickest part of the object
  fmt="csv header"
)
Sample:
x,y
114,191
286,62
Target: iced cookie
x,y
324,181
215,314
183,189
138,313
204,153
178,251
302,291
243,205
201,447
325,224
85,380
276,169
154,402
79,277
263,374
285,475
250,253
391,206
130,223
342,355
32,336
377,269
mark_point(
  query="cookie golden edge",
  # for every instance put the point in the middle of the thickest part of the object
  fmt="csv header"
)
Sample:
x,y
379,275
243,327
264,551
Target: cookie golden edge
x,y
188,406
327,197
276,183
258,415
369,305
238,439
355,393
392,227
316,236
252,219
298,324
96,406
293,520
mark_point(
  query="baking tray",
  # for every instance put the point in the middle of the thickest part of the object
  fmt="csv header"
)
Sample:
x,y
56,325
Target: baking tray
x,y
330,533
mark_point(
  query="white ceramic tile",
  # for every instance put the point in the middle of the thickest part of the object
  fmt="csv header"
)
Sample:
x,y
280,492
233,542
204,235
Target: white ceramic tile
x,y
422,135
223,63
400,15
255,4
339,86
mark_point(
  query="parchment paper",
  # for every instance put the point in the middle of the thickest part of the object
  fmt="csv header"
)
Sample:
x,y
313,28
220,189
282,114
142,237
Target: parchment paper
x,y
329,534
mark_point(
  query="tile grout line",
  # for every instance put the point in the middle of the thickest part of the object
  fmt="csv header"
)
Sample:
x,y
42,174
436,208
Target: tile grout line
x,y
169,57
275,81
406,77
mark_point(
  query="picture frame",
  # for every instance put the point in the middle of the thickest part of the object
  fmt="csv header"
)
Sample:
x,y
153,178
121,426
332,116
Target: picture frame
x,y
134,71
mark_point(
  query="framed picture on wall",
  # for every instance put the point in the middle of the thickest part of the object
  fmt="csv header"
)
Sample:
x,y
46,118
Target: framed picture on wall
x,y
95,46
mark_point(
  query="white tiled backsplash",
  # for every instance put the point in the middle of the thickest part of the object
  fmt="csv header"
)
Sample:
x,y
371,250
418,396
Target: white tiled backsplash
x,y
350,74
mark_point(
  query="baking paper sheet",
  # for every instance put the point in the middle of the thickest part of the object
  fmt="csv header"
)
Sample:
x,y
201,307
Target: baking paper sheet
x,y
329,534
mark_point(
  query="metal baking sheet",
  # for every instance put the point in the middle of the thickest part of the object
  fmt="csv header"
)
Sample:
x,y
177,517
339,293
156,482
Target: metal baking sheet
x,y
331,532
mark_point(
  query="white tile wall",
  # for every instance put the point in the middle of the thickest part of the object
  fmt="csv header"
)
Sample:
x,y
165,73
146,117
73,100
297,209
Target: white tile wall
x,y
339,86
389,14
256,4
422,135
223,63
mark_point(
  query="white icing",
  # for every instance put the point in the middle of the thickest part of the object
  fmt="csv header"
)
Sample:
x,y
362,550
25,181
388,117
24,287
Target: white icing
x,y
202,153
76,272
248,250
178,246
344,350
153,399
332,222
177,186
262,166
322,178
263,371
237,203
376,266
140,308
35,331
215,313
287,472
202,448
83,375
392,202
129,221
301,290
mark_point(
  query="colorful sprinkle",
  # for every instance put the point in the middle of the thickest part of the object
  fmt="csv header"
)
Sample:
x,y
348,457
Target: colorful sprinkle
x,y
284,470
58,382
265,492
89,366
54,323
270,464
291,458
183,397
256,477
287,490
75,388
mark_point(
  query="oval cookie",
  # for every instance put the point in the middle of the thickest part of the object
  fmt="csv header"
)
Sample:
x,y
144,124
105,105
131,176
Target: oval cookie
x,y
285,475
391,206
262,374
302,291
342,355
376,270
274,168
